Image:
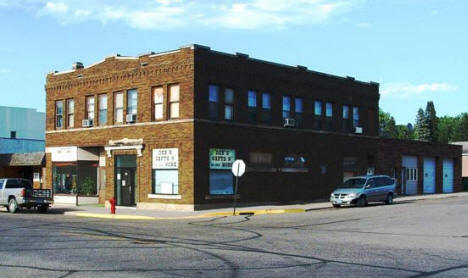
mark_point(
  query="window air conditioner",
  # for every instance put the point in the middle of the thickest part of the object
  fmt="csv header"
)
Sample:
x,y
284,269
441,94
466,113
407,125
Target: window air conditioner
x,y
358,130
289,122
130,118
87,123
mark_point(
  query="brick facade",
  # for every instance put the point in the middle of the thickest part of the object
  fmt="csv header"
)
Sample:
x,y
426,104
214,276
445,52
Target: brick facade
x,y
194,132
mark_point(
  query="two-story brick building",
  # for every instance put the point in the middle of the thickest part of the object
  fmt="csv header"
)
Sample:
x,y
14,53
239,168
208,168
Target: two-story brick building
x,y
161,130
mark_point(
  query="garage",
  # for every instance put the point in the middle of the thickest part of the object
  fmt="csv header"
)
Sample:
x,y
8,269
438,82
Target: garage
x,y
410,175
429,175
447,179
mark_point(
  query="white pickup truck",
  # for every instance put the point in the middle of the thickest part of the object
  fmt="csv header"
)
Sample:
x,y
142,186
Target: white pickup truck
x,y
16,193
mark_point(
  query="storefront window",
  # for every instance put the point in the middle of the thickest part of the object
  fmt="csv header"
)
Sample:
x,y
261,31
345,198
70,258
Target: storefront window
x,y
221,178
166,171
72,178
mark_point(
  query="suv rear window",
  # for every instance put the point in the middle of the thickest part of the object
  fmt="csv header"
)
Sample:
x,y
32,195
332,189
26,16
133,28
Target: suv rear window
x,y
17,183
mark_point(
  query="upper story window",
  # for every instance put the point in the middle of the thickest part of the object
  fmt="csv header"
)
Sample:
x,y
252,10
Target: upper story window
x,y
174,97
213,99
59,114
345,112
318,108
266,108
118,107
132,102
158,99
228,104
328,110
355,116
252,106
103,109
70,112
286,107
90,108
298,109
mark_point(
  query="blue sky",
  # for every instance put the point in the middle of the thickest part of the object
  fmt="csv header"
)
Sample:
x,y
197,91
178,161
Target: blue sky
x,y
416,49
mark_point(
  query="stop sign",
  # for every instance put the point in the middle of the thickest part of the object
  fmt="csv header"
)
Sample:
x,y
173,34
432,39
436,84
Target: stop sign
x,y
238,168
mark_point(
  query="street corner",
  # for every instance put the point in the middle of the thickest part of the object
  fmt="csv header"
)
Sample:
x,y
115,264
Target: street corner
x,y
112,216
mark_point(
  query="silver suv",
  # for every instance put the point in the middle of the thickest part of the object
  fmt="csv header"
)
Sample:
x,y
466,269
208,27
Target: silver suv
x,y
364,189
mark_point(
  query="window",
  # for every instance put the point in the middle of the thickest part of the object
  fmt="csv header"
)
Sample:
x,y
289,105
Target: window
x,y
59,114
118,107
158,98
166,171
266,108
298,109
292,162
252,107
411,174
103,109
318,108
174,94
328,110
318,114
328,116
371,183
12,134
71,112
213,98
132,102
259,160
90,107
286,107
355,116
220,175
345,112
228,104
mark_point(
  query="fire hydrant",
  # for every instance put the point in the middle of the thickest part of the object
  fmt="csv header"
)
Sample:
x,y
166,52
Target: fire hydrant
x,y
112,205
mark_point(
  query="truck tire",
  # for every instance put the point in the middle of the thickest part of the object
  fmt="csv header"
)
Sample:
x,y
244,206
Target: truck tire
x,y
12,205
42,209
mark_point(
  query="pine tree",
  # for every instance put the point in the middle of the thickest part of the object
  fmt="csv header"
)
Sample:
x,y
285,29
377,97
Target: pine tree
x,y
422,126
431,118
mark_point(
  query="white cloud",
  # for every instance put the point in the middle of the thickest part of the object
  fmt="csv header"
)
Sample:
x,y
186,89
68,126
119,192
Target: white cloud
x,y
167,14
363,24
405,90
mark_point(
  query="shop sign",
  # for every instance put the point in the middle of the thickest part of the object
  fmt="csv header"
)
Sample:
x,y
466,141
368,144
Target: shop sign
x,y
222,159
166,158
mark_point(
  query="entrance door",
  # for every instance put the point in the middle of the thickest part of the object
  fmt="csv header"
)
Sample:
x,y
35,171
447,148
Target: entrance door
x,y
447,180
429,175
125,180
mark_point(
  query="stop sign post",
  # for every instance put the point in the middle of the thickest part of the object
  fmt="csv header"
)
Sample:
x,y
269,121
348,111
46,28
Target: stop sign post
x,y
238,169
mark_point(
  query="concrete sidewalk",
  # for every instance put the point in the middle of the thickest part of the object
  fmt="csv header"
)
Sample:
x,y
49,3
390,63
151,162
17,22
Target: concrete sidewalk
x,y
146,214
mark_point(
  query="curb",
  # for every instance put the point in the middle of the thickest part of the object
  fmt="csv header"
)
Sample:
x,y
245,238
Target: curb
x,y
206,215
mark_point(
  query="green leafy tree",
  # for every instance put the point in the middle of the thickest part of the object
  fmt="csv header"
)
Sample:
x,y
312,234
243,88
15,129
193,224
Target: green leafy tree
x,y
387,125
405,132
461,128
447,127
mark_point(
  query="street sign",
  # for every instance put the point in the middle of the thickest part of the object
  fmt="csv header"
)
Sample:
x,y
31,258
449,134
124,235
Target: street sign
x,y
238,168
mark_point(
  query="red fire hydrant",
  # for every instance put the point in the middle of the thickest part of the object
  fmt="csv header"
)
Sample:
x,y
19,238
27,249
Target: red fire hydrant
x,y
112,204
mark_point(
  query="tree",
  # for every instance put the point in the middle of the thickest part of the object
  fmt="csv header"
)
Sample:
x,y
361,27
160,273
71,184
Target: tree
x,y
387,126
405,132
447,127
461,128
431,119
422,126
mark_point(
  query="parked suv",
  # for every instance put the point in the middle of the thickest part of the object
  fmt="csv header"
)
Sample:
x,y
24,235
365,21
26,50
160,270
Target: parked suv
x,y
16,193
364,189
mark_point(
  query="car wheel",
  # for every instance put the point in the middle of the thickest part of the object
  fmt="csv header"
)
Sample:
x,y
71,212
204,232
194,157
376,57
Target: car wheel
x,y
42,209
12,205
389,199
362,201
336,205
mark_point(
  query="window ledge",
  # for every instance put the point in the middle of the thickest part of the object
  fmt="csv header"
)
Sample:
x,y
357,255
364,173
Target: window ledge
x,y
164,196
294,170
253,169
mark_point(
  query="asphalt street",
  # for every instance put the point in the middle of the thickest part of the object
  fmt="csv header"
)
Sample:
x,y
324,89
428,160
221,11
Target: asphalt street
x,y
414,239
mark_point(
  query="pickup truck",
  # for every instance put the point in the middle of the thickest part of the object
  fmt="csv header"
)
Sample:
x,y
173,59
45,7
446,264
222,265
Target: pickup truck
x,y
16,193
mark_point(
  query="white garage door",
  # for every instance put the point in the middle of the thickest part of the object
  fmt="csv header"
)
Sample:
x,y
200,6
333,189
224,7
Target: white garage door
x,y
429,175
447,181
410,163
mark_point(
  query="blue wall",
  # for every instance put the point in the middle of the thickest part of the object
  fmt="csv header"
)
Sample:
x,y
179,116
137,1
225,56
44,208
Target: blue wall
x,y
29,126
